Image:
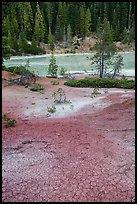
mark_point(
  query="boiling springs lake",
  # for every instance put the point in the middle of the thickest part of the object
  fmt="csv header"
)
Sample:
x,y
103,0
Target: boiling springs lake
x,y
73,63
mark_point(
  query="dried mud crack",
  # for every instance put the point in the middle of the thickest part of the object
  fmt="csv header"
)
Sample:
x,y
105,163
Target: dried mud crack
x,y
85,156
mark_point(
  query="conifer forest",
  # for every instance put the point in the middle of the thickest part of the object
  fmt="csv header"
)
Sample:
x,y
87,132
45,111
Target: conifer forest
x,y
52,22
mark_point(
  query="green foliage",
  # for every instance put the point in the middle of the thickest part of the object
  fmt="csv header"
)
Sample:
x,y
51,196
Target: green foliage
x,y
82,21
37,87
95,92
105,51
101,83
62,71
21,70
51,109
126,84
53,67
54,82
5,117
69,36
8,121
6,52
117,64
40,27
34,18
28,20
59,96
58,29
87,22
23,42
50,40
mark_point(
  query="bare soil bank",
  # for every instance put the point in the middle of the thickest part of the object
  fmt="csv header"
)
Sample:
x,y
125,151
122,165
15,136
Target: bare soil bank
x,y
83,152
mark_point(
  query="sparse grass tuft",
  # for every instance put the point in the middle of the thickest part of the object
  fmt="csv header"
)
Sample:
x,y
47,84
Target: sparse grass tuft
x,y
60,96
54,82
51,109
8,121
37,87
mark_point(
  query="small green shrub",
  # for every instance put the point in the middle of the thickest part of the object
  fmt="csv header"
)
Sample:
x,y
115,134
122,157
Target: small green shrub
x,y
8,121
37,87
127,84
59,96
101,83
62,71
21,70
51,109
54,82
95,92
5,118
53,67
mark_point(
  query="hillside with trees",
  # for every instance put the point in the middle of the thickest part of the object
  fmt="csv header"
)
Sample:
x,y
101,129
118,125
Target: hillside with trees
x,y
35,27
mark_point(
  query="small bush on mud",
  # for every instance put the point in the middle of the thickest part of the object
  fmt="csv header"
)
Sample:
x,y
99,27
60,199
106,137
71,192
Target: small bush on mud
x,y
106,91
37,87
54,82
95,92
59,96
62,71
53,67
51,109
102,83
21,70
5,118
8,121
126,84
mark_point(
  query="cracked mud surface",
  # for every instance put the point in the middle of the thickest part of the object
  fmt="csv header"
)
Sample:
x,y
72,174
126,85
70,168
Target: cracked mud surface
x,y
86,154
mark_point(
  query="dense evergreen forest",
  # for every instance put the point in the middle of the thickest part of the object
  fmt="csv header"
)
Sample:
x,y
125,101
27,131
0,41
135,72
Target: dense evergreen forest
x,y
26,24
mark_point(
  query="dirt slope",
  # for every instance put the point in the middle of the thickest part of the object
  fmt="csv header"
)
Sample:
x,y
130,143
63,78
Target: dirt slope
x,y
82,152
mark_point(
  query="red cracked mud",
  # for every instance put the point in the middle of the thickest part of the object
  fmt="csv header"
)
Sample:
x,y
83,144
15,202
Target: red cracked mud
x,y
86,156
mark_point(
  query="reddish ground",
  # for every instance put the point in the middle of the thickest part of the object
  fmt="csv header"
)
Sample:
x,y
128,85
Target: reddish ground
x,y
86,154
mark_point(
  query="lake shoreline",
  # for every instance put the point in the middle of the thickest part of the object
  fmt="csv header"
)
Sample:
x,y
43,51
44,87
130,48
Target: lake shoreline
x,y
63,54
73,63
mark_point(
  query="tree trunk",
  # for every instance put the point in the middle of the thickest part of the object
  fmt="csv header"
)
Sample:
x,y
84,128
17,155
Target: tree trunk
x,y
114,73
102,65
129,17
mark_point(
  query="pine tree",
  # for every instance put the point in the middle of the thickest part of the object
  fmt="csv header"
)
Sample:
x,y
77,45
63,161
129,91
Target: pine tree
x,y
94,16
23,46
105,49
20,15
28,20
98,28
6,51
39,29
60,14
49,13
6,26
69,36
33,46
74,18
14,26
82,21
59,30
9,40
53,67
87,21
65,15
15,45
108,38
132,30
50,40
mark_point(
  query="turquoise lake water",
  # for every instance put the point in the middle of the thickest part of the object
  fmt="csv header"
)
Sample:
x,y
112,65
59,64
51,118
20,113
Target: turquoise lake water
x,y
73,63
